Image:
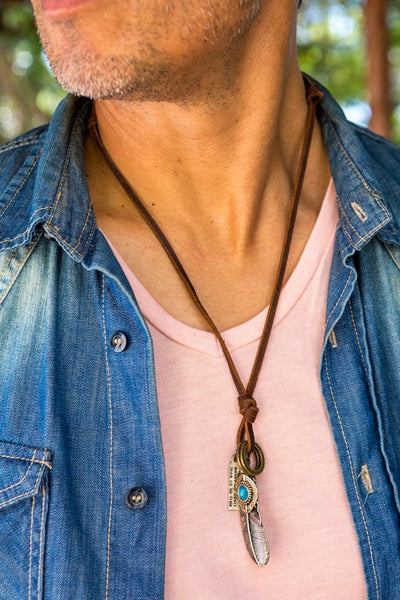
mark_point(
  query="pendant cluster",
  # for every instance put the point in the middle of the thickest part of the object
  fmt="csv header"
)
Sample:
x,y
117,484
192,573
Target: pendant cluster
x,y
243,497
248,460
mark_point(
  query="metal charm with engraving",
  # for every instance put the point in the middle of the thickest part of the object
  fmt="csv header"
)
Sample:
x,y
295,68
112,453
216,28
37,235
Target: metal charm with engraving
x,y
233,503
243,459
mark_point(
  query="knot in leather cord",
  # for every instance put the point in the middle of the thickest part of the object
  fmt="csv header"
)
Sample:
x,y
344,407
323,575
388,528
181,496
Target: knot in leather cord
x,y
313,93
248,407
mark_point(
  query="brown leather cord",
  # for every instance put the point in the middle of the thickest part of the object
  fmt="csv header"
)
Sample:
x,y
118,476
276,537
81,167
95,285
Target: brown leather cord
x,y
247,405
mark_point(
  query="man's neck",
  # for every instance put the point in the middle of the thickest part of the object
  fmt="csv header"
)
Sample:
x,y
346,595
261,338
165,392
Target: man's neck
x,y
224,160
218,176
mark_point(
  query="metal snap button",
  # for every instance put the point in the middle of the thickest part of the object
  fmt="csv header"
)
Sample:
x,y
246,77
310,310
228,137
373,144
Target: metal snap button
x,y
137,498
119,341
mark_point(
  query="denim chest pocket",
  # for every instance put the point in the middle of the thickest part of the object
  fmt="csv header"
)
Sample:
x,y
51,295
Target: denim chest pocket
x,y
24,477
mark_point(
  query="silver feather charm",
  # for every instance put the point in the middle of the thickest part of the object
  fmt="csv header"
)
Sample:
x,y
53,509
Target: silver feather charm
x,y
243,496
254,536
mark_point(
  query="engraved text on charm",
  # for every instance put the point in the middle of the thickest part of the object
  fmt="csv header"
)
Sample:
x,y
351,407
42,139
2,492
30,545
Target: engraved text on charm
x,y
233,503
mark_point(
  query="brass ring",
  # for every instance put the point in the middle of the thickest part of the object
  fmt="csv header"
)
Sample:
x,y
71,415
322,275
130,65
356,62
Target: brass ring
x,y
243,459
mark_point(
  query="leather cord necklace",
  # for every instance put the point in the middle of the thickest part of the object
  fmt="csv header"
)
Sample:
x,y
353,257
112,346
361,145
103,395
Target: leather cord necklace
x,y
248,460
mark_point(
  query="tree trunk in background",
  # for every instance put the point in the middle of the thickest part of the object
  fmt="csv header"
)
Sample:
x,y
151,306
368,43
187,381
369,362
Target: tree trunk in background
x,y
379,84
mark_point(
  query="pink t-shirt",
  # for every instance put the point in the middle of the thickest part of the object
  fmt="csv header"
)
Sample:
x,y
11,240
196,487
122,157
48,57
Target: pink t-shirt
x,y
314,551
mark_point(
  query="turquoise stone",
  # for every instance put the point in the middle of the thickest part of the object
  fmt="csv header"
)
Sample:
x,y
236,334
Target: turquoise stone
x,y
243,493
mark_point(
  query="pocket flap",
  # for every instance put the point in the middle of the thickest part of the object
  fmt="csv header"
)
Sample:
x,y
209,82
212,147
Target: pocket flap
x,y
22,469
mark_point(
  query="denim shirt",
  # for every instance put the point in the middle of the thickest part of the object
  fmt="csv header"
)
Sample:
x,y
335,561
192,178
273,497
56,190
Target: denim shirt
x,y
79,422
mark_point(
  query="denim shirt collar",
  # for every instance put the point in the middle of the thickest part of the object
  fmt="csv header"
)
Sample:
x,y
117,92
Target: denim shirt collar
x,y
49,190
58,197
365,187
61,178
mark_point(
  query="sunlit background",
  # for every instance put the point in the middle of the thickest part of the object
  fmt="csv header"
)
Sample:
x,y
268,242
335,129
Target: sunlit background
x,y
332,48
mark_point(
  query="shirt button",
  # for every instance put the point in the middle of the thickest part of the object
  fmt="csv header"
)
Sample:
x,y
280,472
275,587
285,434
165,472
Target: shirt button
x,y
119,341
137,498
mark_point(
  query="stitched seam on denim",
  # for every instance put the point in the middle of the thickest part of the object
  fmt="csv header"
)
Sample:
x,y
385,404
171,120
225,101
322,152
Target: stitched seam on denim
x,y
358,343
24,494
392,229
365,371
30,550
356,171
84,227
64,175
63,178
372,231
350,245
24,232
41,536
354,479
111,441
153,439
364,183
28,141
23,478
21,185
33,460
340,297
74,248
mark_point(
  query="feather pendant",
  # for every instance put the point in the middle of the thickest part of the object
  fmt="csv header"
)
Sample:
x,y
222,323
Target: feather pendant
x,y
254,536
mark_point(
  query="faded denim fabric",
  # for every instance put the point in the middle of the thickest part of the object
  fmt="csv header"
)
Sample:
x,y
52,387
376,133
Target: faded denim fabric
x,y
79,423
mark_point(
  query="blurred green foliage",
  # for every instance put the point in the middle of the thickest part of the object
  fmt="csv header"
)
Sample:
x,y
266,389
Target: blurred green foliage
x,y
331,48
28,91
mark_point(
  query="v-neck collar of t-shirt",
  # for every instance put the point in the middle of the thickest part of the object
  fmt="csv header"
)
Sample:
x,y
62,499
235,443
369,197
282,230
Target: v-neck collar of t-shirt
x,y
317,247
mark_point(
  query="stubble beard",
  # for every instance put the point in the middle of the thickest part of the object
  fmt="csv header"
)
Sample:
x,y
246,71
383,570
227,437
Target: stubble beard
x,y
148,74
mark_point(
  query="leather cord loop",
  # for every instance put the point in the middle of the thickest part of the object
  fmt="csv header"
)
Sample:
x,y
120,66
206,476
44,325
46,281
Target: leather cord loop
x,y
246,434
249,410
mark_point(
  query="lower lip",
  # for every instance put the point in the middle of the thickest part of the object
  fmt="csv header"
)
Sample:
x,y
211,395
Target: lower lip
x,y
58,6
